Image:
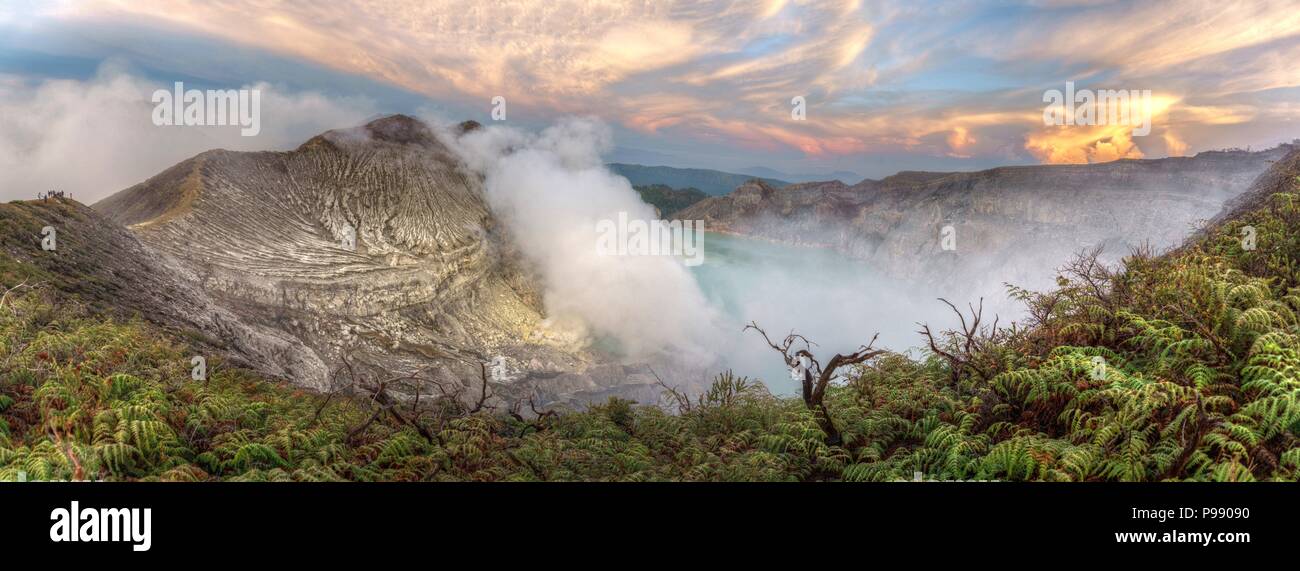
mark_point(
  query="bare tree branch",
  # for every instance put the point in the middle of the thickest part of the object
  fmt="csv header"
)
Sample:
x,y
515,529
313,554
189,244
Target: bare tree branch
x,y
816,378
964,348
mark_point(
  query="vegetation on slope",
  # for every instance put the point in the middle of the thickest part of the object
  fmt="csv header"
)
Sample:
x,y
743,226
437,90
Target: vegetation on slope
x,y
667,199
711,182
1177,367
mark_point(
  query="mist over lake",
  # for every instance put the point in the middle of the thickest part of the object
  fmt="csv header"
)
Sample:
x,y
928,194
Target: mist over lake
x,y
836,301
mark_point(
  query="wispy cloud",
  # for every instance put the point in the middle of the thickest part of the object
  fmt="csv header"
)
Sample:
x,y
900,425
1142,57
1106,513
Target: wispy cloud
x,y
96,136
944,80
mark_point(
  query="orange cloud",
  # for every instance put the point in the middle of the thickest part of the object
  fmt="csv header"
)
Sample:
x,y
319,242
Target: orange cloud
x,y
1082,145
723,71
960,141
1174,146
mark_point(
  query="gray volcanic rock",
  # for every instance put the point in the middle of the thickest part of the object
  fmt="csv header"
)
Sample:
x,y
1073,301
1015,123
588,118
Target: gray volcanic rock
x,y
1280,177
1011,224
104,265
432,284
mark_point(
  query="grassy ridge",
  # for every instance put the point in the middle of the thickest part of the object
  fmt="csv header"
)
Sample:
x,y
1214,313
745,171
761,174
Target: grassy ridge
x,y
667,199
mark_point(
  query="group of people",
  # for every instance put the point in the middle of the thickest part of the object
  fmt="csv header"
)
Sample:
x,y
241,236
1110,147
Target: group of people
x,y
46,196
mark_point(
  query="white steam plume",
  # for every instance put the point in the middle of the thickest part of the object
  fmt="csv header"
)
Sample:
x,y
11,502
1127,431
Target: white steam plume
x,y
550,190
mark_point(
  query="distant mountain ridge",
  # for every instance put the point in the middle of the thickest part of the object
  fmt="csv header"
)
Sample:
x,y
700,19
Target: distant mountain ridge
x,y
1008,224
667,200
711,182
846,177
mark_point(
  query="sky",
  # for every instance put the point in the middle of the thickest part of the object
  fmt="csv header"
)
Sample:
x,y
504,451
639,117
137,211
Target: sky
x,y
886,86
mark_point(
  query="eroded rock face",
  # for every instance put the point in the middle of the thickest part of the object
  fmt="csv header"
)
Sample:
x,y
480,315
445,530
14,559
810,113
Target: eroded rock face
x,y
106,266
1010,224
372,243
